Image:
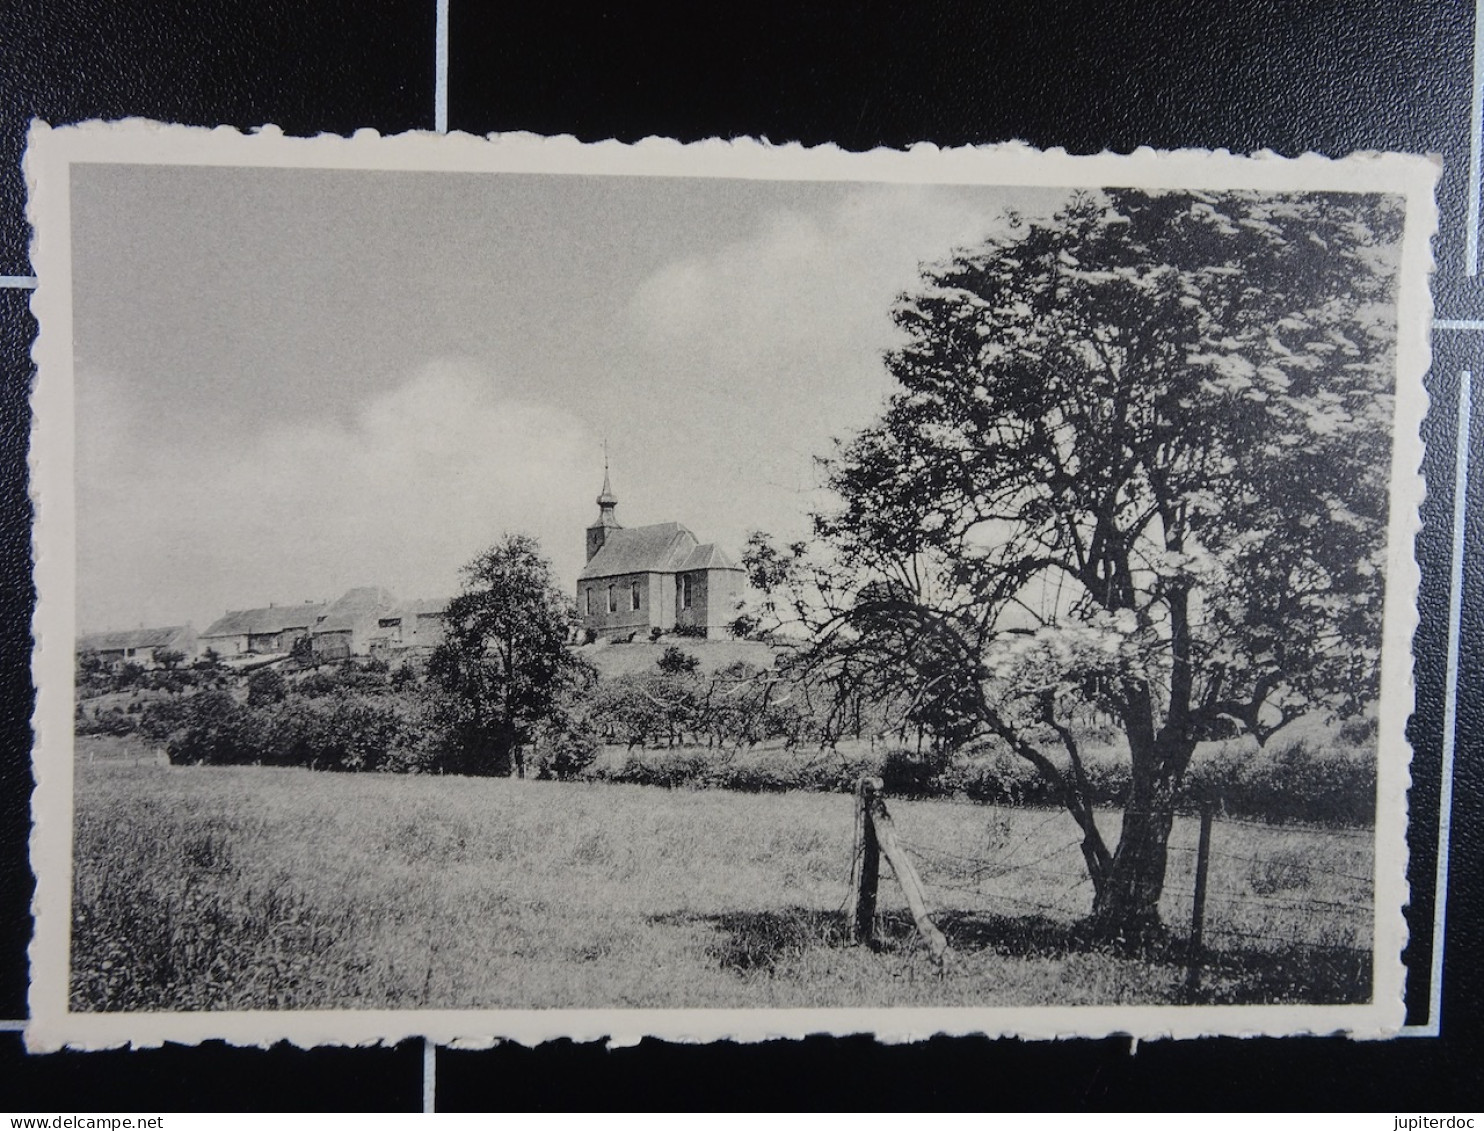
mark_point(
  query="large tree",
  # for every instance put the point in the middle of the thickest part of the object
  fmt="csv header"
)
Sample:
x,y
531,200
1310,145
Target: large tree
x,y
504,664
1136,465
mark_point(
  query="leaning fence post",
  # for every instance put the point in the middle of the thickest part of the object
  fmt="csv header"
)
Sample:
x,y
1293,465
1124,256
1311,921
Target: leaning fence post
x,y
865,870
906,874
1198,904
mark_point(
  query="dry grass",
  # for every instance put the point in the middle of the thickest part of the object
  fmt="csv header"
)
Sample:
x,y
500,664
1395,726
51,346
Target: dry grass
x,y
214,888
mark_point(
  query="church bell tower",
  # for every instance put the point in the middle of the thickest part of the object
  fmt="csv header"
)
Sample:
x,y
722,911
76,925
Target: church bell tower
x,y
597,533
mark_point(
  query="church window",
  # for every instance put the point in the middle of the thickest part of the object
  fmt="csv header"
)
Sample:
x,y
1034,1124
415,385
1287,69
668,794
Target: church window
x,y
634,595
587,595
613,598
685,595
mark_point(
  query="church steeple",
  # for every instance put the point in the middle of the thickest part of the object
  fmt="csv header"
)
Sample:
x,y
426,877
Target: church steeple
x,y
597,533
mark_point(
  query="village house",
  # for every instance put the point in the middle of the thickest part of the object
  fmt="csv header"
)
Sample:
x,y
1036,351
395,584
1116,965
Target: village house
x,y
261,632
412,626
366,621
351,622
652,577
140,645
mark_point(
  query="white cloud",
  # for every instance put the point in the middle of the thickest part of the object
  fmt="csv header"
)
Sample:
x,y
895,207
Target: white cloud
x,y
766,348
401,495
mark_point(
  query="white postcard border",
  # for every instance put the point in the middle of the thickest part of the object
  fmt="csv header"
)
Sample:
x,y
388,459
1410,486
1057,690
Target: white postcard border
x,y
51,154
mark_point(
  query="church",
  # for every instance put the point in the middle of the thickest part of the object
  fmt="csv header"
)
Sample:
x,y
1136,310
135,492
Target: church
x,y
652,577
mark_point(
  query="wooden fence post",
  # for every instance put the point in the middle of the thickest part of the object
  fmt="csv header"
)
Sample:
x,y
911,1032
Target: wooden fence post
x,y
865,870
906,874
1198,905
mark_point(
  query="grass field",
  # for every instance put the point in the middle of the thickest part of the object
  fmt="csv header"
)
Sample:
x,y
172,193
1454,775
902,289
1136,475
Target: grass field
x,y
246,887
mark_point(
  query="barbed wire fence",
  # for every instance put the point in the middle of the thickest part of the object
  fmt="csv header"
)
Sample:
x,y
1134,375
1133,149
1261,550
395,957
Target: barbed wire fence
x,y
1216,898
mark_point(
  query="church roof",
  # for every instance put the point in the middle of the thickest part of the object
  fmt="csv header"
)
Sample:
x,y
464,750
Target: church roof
x,y
708,556
661,548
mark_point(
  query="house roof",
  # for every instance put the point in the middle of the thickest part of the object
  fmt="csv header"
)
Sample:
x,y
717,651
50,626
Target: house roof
x,y
131,638
641,549
258,622
343,614
423,607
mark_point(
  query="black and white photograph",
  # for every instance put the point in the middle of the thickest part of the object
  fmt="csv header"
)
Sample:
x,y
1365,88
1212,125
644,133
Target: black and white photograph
x,y
512,588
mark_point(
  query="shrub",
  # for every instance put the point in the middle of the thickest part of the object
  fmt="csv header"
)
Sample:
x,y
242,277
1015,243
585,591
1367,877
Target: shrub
x,y
743,626
1313,778
214,729
112,721
693,631
760,770
127,675
909,773
265,686
565,752
674,661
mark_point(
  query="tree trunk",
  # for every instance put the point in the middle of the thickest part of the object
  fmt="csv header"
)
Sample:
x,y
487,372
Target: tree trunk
x,y
1126,907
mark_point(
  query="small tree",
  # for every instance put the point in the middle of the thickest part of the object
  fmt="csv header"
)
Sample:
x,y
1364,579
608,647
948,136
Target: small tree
x,y
504,665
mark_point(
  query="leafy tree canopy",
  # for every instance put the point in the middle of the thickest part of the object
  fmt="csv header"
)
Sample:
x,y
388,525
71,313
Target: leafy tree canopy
x,y
505,664
1137,463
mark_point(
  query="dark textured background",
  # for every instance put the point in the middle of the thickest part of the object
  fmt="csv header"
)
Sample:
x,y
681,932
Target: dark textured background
x,y
1332,77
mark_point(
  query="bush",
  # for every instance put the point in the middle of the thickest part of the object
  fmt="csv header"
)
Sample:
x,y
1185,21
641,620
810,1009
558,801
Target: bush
x,y
265,686
760,770
214,729
339,732
565,753
908,773
674,661
743,626
1314,778
112,721
693,631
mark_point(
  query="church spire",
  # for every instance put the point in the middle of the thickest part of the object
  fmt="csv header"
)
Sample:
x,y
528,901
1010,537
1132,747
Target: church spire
x,y
607,500
597,533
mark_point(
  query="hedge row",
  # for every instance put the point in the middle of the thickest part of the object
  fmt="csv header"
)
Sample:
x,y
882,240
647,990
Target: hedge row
x,y
343,732
1302,780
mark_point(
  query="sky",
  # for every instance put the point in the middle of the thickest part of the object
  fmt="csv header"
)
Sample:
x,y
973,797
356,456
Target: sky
x,y
290,382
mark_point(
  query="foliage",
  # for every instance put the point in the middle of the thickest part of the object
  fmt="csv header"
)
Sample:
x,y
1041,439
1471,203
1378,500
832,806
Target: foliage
x,y
676,661
113,720
168,658
744,625
504,664
345,731
301,651
1136,464
693,631
266,685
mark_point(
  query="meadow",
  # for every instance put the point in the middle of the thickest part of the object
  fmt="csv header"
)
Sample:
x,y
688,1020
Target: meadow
x,y
241,887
